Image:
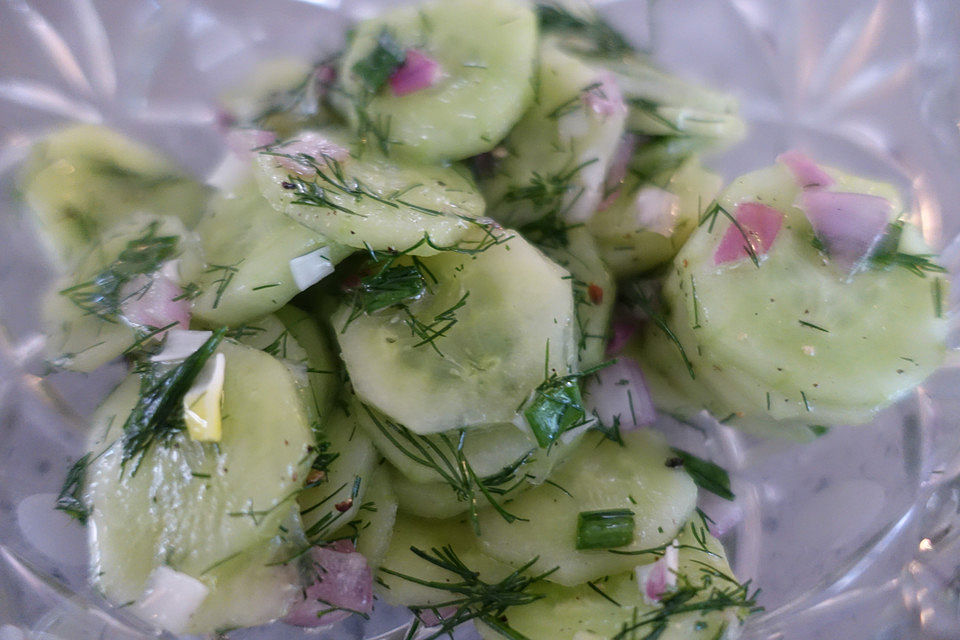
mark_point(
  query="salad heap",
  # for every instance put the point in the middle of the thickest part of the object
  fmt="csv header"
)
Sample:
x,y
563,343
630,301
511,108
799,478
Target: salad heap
x,y
405,338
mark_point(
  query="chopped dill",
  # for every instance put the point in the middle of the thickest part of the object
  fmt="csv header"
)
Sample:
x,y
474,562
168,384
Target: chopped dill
x,y
70,499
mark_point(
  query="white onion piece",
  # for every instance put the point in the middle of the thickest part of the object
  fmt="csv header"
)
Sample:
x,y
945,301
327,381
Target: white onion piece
x,y
418,71
655,209
656,579
848,224
343,580
758,228
805,171
152,301
179,344
311,268
620,392
170,599
314,145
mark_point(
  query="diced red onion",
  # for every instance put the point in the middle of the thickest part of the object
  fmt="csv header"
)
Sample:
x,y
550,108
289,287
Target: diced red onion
x,y
621,330
620,161
343,580
656,579
805,171
243,141
313,145
151,301
418,71
723,514
759,223
848,224
325,75
609,199
655,209
433,617
605,98
620,392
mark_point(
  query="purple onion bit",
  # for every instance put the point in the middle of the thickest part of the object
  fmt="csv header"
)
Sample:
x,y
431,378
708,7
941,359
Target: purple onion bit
x,y
805,171
755,230
619,393
343,585
849,225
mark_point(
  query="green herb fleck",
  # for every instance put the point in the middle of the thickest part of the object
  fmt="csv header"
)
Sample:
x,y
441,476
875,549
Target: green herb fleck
x,y
69,500
604,529
706,475
376,68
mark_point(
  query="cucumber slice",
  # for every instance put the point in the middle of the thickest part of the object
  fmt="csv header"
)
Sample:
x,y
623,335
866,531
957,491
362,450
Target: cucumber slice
x,y
410,531
253,588
599,475
82,180
80,316
627,243
195,506
507,304
559,153
374,526
581,612
338,483
593,291
368,201
486,50
796,339
248,249
283,95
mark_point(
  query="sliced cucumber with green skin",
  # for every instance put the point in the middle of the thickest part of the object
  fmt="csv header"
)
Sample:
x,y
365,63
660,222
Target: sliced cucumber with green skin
x,y
81,338
426,499
797,339
368,201
248,248
627,243
82,180
426,534
340,484
195,506
593,290
514,303
558,154
253,588
568,613
599,476
486,50
374,528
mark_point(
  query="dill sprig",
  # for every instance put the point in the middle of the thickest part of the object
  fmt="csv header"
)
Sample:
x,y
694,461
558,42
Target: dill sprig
x,y
437,328
444,455
378,65
887,254
639,297
131,178
69,499
710,215
596,33
102,295
227,273
473,598
158,415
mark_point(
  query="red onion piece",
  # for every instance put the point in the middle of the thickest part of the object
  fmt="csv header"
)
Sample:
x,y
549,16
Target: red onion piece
x,y
620,161
759,223
620,392
243,141
313,145
419,71
609,199
343,580
655,209
621,330
657,578
432,618
605,98
805,171
848,224
150,301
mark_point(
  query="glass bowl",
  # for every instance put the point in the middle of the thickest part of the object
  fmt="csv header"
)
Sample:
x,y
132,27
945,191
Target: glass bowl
x,y
855,535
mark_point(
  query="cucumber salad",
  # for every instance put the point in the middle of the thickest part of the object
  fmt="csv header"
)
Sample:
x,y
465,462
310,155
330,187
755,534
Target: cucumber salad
x,y
405,345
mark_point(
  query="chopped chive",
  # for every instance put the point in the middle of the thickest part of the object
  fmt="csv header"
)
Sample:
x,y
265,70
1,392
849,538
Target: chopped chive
x,y
557,407
706,475
604,529
938,297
